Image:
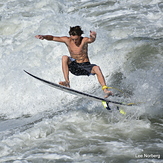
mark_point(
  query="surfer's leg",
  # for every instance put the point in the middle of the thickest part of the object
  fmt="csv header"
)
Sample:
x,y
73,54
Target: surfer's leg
x,y
65,69
96,70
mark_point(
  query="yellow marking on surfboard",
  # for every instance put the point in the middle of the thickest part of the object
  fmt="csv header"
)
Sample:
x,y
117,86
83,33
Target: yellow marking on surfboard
x,y
104,103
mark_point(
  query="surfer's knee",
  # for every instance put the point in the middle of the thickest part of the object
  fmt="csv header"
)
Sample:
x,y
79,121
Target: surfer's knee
x,y
65,58
96,69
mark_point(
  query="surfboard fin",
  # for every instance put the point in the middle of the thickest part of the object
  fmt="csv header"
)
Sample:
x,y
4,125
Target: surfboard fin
x,y
122,111
106,106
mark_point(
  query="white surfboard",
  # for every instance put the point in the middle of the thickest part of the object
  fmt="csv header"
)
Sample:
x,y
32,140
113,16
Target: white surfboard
x,y
104,101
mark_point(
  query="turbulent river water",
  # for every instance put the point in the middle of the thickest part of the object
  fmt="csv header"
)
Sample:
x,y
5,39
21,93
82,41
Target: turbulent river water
x,y
39,124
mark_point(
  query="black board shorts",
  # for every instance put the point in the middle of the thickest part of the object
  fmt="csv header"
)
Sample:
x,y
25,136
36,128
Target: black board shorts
x,y
78,69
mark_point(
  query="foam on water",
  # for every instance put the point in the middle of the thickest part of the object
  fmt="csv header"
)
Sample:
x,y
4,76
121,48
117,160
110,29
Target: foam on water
x,y
54,137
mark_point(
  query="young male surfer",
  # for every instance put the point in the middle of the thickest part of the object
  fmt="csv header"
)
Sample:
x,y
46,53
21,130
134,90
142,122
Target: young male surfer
x,y
78,63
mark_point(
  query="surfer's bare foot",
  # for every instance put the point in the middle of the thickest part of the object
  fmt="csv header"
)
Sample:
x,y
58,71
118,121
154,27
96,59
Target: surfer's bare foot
x,y
65,83
107,93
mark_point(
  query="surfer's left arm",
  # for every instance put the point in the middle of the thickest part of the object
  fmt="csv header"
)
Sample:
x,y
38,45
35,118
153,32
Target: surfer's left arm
x,y
92,37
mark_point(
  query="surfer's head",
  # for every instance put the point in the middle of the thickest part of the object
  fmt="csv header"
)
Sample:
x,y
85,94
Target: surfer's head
x,y
75,31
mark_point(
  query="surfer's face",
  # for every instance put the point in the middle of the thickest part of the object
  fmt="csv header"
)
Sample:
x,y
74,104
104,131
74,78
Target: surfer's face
x,y
75,39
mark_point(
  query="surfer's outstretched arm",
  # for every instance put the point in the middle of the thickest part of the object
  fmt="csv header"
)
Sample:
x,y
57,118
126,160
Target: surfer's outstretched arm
x,y
52,38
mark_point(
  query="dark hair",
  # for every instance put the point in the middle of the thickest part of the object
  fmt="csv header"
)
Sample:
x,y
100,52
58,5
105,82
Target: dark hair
x,y
75,31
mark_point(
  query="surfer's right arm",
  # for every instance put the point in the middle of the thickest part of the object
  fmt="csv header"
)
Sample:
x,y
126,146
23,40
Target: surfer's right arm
x,y
52,38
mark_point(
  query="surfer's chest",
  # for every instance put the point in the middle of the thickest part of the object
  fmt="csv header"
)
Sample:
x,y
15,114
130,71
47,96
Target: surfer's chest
x,y
77,49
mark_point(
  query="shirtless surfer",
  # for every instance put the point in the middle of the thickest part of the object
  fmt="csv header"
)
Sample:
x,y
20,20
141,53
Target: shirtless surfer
x,y
78,63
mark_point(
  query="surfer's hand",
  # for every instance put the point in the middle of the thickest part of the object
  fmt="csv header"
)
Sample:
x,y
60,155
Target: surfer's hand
x,y
40,37
108,93
93,34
